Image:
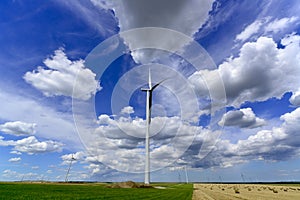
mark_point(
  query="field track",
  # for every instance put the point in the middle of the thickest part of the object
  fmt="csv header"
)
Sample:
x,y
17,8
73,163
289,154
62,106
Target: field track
x,y
245,192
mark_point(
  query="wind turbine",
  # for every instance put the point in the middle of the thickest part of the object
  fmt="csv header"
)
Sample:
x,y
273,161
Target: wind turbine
x,y
186,175
243,177
148,121
66,179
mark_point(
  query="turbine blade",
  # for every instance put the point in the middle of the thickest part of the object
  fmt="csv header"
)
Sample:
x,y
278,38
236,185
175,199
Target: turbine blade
x,y
157,84
145,89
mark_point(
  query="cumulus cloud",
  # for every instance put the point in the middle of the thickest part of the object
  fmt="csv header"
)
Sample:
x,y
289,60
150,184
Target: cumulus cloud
x,y
67,158
18,128
60,77
111,148
127,110
15,152
260,71
17,159
277,144
295,98
243,118
31,145
119,143
181,16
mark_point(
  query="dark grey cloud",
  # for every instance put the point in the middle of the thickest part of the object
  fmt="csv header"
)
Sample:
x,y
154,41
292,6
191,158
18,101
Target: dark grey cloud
x,y
182,16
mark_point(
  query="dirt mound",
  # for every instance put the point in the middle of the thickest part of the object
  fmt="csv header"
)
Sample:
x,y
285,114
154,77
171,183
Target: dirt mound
x,y
129,184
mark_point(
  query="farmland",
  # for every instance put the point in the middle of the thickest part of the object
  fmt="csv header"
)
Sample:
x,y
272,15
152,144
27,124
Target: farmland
x,y
161,191
245,191
92,191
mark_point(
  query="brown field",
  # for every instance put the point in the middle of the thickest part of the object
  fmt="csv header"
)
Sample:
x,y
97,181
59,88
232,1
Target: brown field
x,y
245,191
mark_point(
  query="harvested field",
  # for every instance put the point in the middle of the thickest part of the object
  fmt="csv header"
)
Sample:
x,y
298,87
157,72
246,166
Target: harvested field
x,y
244,191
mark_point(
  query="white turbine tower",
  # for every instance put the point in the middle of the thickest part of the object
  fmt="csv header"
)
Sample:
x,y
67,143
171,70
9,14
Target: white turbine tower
x,y
72,159
148,121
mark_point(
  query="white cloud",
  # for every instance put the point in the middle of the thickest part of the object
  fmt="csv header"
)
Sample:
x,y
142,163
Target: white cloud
x,y
15,152
94,168
267,25
17,159
295,98
61,76
118,143
185,17
78,156
11,174
31,145
51,124
250,30
280,24
243,118
14,175
261,71
110,146
18,128
127,110
280,143
277,144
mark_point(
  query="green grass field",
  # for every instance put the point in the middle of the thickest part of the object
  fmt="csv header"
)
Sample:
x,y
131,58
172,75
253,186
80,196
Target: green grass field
x,y
92,191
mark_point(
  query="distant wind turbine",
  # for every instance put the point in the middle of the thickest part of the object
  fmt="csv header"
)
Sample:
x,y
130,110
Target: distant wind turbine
x,y
179,177
72,159
220,178
243,177
186,175
148,121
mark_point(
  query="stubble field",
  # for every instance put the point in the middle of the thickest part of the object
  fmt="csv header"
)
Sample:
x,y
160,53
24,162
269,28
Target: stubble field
x,y
245,191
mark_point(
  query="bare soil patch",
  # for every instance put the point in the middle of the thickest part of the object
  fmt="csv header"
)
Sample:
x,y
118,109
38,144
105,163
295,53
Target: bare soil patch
x,y
129,184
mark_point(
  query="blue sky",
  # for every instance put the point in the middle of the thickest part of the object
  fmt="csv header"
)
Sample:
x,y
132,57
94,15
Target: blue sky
x,y
71,73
